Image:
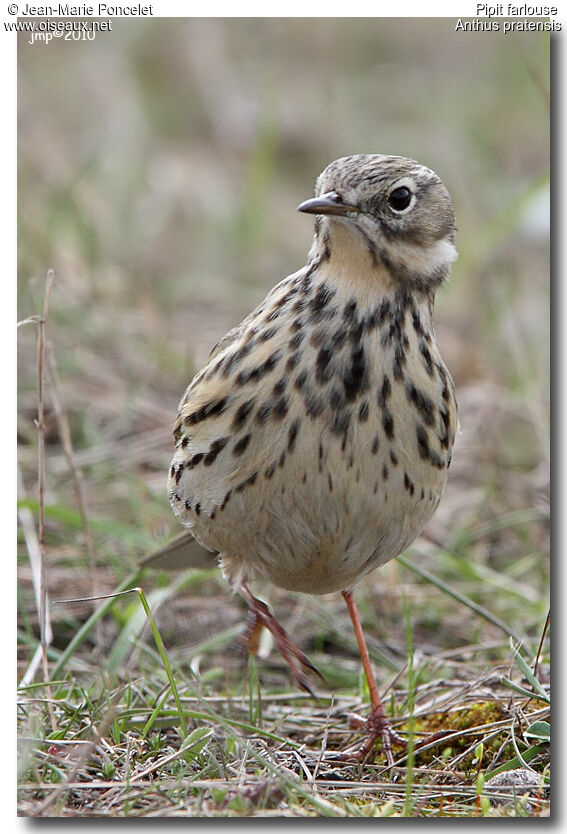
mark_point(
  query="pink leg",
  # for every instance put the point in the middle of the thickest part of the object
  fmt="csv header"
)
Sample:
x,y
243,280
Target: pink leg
x,y
377,724
260,616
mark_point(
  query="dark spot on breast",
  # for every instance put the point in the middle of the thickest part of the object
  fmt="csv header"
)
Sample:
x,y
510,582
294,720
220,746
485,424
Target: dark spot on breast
x,y
267,334
300,379
384,392
445,440
314,405
416,321
211,409
255,374
427,360
422,441
226,499
421,401
320,300
349,311
184,442
383,311
425,452
436,460
442,373
388,423
281,408
372,319
323,372
280,386
198,508
408,484
445,416
330,482
292,435
318,337
187,505
385,472
242,413
340,423
281,461
270,471
355,379
393,457
339,337
248,482
399,361
195,460
214,449
296,340
240,447
355,334
363,411
229,363
375,444
336,399
292,361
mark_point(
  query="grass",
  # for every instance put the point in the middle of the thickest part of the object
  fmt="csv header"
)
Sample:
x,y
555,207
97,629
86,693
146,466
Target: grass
x,y
124,750
126,196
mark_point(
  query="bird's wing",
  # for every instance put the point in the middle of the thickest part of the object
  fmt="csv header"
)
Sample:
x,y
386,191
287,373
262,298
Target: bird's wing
x,y
218,406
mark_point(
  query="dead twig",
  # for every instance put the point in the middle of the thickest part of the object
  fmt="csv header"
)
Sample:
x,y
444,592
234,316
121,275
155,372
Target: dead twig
x,y
43,616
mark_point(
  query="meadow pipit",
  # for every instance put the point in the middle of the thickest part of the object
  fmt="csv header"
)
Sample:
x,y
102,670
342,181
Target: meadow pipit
x,y
314,444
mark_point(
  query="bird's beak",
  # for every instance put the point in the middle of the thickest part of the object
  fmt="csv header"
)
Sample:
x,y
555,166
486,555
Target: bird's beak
x,y
330,203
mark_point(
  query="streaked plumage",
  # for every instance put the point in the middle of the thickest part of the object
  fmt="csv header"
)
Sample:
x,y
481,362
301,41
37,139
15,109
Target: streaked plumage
x,y
314,444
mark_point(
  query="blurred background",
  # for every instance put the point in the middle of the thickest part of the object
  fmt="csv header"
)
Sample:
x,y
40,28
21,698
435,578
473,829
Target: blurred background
x,y
160,166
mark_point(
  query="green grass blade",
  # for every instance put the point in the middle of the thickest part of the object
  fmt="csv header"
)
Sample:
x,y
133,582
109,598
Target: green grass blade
x,y
87,627
447,589
165,660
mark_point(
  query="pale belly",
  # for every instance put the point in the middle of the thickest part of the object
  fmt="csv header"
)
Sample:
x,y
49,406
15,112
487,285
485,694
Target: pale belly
x,y
320,524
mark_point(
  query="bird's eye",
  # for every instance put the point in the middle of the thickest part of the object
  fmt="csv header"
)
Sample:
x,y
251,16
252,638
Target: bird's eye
x,y
400,198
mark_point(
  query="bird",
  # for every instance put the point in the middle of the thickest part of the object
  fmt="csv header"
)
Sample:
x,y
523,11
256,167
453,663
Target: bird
x,y
314,444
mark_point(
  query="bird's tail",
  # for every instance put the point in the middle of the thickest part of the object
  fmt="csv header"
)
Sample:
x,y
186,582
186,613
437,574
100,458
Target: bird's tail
x,y
180,553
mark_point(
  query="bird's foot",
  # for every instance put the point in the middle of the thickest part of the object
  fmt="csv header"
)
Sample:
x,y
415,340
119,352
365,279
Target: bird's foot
x,y
377,728
260,617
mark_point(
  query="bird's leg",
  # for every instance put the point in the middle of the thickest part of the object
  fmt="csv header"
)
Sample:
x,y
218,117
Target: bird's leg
x,y
260,616
377,724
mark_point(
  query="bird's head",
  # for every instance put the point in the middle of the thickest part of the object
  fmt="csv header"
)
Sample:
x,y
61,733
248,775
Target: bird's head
x,y
400,210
